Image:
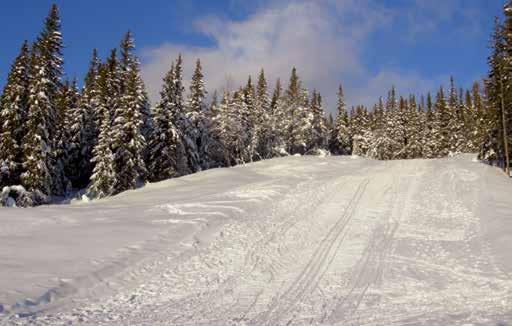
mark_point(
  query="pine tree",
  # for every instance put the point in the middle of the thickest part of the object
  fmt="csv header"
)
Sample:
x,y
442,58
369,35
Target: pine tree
x,y
89,107
506,111
278,121
71,140
493,148
48,49
483,121
253,123
456,121
242,121
215,149
196,108
266,136
298,116
38,147
41,139
187,154
128,143
444,127
413,130
318,128
340,139
104,175
13,114
360,131
386,138
226,130
163,147
429,143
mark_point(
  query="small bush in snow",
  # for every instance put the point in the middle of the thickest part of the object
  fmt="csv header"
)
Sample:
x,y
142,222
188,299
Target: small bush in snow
x,y
17,196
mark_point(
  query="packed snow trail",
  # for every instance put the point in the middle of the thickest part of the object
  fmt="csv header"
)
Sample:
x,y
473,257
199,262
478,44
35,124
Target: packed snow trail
x,y
297,240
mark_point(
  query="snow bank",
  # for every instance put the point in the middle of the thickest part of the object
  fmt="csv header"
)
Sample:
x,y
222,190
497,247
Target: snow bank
x,y
294,240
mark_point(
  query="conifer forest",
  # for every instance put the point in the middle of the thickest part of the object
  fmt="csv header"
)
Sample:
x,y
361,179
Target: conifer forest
x,y
106,137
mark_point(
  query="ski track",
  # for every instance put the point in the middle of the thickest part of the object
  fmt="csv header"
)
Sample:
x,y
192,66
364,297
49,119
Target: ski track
x,y
392,243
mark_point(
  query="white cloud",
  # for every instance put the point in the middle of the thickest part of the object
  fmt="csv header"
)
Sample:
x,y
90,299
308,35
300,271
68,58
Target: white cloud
x,y
323,39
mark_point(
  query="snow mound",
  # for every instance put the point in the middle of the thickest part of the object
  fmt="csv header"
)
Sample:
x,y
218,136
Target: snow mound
x,y
18,196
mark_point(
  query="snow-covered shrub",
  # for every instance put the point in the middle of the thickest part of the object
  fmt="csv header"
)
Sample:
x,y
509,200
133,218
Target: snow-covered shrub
x,y
318,152
18,196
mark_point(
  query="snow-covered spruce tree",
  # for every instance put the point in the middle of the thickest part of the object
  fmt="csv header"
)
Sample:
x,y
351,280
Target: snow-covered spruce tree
x,y
187,152
456,122
104,177
164,143
225,129
231,128
253,122
388,135
198,132
498,84
240,117
430,131
13,114
483,121
378,115
71,140
318,139
37,143
413,130
126,63
493,146
443,117
89,107
473,116
41,139
128,143
278,121
297,125
360,131
340,138
264,126
215,148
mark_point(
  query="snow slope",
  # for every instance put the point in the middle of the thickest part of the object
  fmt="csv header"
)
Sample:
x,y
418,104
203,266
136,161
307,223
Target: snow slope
x,y
295,240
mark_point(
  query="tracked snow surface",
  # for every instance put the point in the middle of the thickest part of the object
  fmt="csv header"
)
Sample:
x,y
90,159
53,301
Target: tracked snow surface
x,y
296,240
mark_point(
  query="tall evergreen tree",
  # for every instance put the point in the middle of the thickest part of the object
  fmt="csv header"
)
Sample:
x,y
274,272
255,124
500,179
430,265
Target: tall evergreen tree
x,y
89,107
163,147
495,144
253,121
41,139
13,114
443,117
340,139
38,147
198,109
104,177
266,136
318,128
128,143
278,116
456,120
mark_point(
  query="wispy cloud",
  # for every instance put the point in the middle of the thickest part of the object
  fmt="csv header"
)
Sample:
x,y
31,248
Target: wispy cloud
x,y
323,39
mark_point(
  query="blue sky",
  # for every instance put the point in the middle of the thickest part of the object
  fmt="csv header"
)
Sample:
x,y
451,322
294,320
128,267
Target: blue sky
x,y
368,45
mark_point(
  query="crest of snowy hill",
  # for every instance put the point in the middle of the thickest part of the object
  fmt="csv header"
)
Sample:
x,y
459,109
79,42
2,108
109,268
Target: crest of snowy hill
x,y
321,240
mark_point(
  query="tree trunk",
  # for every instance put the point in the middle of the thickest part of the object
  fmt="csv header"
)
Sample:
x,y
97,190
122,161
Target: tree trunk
x,y
504,126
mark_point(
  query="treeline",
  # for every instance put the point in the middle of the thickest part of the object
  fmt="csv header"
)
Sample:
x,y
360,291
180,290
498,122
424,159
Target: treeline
x,y
404,128
105,137
496,147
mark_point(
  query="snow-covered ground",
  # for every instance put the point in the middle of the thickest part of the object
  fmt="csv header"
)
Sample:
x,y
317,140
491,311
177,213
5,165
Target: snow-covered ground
x,y
296,240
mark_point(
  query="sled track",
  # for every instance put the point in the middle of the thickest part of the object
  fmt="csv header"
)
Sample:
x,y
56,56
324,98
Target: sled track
x,y
370,267
315,269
